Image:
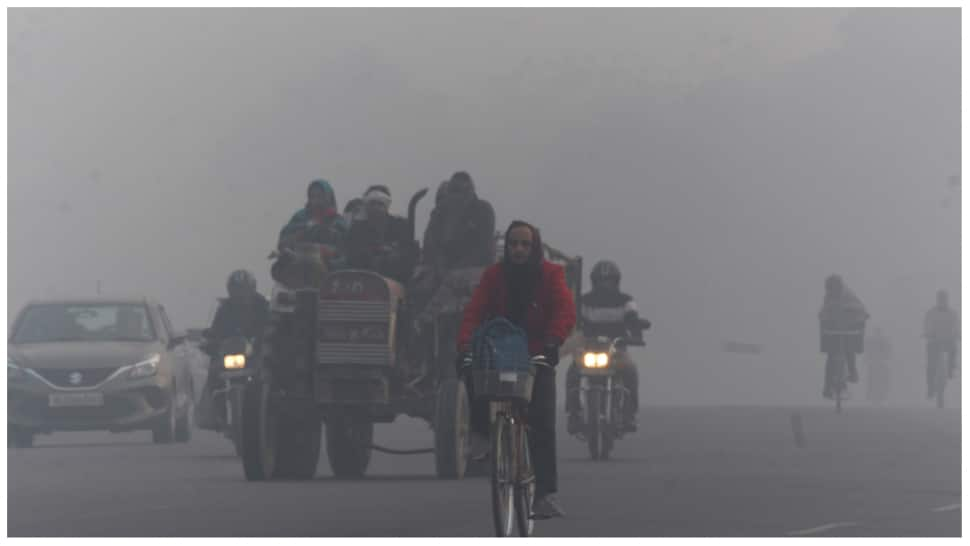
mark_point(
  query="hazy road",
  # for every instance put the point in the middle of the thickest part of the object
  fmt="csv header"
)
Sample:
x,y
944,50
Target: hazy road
x,y
714,471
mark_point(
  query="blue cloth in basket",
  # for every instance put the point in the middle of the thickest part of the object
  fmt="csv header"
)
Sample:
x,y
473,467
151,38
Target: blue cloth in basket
x,y
500,345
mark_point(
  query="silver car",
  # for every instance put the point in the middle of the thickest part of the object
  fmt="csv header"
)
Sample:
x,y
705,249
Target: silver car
x,y
96,364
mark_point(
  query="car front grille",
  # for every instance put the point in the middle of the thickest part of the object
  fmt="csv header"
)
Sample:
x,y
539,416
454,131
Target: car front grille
x,y
86,377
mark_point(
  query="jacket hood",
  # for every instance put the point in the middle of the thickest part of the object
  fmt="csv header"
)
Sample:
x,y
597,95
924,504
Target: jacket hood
x,y
327,189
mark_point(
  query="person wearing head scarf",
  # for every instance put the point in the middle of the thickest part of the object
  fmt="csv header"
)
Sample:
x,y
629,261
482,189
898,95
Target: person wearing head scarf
x,y
318,222
532,293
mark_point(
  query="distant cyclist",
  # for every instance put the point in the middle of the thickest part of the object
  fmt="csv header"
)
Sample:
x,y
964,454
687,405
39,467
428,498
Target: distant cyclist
x,y
841,310
941,328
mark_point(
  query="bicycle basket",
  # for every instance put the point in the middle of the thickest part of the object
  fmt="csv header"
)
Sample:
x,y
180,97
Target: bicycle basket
x,y
503,369
500,345
499,385
836,336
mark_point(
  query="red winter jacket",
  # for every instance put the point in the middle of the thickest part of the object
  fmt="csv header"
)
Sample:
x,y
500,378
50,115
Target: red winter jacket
x,y
552,315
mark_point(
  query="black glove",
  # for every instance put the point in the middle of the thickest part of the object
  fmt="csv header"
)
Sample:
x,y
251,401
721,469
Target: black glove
x,y
551,352
463,362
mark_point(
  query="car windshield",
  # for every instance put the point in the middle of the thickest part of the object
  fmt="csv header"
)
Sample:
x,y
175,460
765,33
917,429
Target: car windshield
x,y
92,322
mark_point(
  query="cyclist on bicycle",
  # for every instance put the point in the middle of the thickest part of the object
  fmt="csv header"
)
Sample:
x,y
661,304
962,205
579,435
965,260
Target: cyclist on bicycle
x,y
941,328
531,293
843,310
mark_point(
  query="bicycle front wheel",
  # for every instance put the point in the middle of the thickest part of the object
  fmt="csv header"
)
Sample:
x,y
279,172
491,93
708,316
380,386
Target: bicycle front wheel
x,y
503,477
525,486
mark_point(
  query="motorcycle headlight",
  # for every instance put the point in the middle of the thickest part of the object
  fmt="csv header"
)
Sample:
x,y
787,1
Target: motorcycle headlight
x,y
602,359
145,368
14,372
589,360
234,362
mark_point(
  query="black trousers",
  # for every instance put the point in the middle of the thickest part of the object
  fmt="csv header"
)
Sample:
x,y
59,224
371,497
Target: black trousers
x,y
541,418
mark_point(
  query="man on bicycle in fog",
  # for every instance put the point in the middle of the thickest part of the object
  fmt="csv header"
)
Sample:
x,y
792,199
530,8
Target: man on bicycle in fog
x,y
843,310
531,292
941,328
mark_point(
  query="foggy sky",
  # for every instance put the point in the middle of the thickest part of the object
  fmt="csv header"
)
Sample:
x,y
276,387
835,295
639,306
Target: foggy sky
x,y
727,159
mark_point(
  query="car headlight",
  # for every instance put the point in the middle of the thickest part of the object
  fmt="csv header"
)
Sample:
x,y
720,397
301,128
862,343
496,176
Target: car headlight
x,y
234,362
145,368
14,372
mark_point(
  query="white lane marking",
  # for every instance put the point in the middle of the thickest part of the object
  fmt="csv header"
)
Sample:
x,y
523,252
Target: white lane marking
x,y
823,528
947,508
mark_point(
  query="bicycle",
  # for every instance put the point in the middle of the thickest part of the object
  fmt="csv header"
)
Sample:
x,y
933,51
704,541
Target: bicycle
x,y
512,476
938,371
838,374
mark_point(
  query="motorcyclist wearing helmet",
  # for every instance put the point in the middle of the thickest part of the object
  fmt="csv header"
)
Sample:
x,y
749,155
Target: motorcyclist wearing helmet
x,y
605,311
244,313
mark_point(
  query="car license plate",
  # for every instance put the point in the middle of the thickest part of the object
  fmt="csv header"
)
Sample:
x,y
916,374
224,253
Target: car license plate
x,y
508,377
76,399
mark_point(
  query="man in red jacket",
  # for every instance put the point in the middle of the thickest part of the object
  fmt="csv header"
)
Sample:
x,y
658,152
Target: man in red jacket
x,y
532,293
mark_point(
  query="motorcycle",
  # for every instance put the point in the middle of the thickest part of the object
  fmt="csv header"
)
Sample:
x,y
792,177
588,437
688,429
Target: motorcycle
x,y
602,394
226,402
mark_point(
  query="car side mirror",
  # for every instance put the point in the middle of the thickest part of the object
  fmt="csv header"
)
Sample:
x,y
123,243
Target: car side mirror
x,y
175,341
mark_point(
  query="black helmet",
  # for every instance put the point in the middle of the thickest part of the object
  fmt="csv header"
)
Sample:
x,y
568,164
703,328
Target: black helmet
x,y
241,280
605,270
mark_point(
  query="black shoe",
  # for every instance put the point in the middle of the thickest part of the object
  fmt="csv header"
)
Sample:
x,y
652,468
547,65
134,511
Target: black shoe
x,y
547,507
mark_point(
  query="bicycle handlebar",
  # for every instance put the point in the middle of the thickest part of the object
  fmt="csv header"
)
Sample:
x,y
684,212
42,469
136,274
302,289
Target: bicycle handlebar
x,y
540,360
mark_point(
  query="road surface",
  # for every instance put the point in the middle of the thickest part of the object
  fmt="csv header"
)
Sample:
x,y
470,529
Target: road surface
x,y
691,471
